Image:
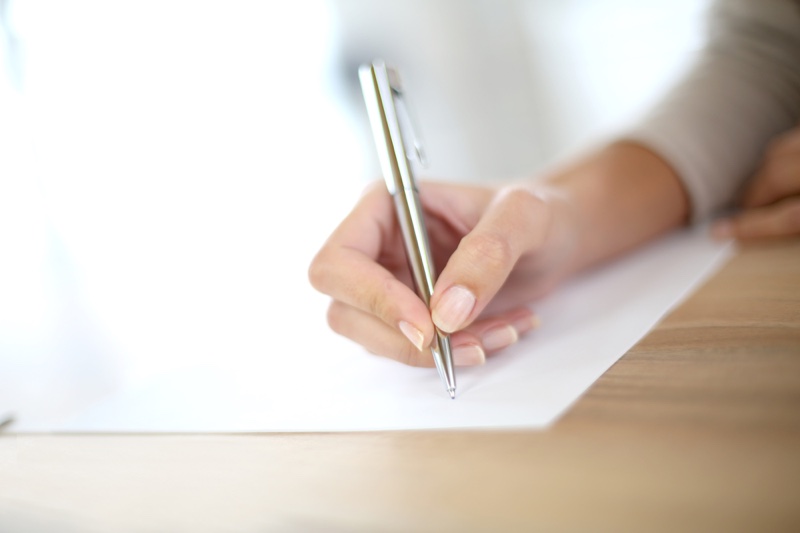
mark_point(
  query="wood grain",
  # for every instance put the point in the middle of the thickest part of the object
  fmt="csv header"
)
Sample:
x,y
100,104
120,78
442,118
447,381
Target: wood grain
x,y
697,428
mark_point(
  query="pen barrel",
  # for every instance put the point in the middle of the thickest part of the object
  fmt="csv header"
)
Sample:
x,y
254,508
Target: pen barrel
x,y
379,96
420,262
418,252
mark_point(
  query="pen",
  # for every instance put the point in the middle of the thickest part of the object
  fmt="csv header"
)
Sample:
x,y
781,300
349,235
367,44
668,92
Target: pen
x,y
392,130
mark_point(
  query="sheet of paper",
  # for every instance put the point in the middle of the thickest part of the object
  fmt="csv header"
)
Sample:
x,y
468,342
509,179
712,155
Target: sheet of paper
x,y
330,384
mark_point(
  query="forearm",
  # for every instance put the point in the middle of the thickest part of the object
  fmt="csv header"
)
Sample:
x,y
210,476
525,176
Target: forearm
x,y
743,90
618,198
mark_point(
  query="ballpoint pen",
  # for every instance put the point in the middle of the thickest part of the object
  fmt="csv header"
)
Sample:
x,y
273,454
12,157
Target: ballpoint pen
x,y
392,130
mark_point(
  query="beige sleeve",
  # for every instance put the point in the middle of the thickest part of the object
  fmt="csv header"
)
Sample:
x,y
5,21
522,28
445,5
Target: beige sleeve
x,y
744,89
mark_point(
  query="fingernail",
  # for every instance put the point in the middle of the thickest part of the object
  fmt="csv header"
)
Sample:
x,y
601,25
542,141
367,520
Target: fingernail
x,y
722,229
468,355
413,334
499,337
526,323
453,309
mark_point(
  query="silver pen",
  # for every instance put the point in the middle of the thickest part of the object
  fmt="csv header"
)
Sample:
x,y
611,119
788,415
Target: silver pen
x,y
392,130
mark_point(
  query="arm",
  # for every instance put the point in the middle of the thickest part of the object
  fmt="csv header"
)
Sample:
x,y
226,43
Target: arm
x,y
500,249
715,126
623,195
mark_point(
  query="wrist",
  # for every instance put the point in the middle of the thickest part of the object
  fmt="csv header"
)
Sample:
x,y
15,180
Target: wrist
x,y
620,197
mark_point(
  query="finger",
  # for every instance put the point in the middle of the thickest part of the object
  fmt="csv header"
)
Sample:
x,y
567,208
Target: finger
x,y
375,335
380,339
516,222
778,177
788,141
451,211
501,331
346,269
779,220
779,174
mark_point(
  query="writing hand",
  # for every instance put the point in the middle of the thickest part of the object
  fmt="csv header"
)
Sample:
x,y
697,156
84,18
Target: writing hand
x,y
497,248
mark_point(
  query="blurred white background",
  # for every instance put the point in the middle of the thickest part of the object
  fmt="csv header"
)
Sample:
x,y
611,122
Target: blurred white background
x,y
168,168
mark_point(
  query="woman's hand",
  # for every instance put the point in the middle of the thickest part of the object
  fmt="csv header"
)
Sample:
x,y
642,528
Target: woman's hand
x,y
497,250
772,201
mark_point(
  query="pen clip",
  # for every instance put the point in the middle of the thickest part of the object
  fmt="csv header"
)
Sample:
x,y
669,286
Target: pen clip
x,y
407,129
382,97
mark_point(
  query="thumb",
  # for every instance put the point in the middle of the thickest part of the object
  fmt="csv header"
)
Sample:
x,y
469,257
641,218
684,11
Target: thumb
x,y
515,222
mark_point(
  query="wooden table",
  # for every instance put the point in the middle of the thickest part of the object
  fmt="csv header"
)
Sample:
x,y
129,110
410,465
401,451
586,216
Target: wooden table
x,y
696,428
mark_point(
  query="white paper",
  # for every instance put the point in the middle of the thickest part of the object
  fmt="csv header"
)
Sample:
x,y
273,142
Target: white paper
x,y
330,384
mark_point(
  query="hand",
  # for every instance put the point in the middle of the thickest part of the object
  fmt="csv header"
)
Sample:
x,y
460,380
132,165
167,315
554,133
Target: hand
x,y
772,201
497,249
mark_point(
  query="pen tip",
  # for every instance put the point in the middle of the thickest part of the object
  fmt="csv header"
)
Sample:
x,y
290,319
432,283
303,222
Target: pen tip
x,y
452,393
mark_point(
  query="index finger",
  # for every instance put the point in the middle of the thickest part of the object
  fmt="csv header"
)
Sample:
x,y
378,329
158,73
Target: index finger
x,y
347,268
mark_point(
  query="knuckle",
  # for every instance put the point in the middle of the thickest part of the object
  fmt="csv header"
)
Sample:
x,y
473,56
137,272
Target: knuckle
x,y
335,317
379,302
531,208
793,215
520,197
374,187
317,271
523,203
491,251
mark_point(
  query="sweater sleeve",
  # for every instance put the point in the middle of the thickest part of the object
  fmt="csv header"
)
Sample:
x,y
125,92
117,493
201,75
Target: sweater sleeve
x,y
743,90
